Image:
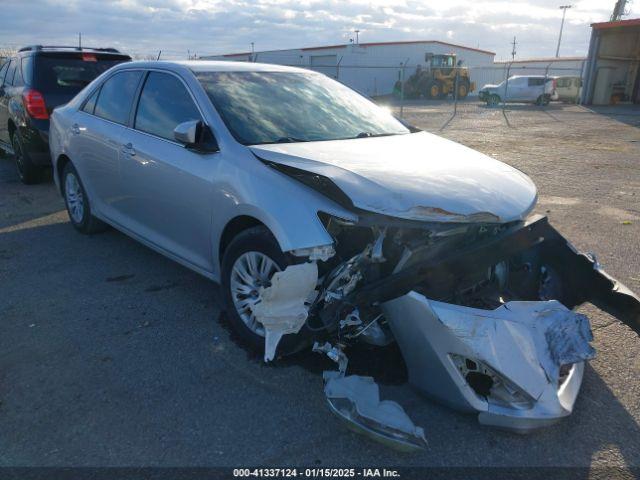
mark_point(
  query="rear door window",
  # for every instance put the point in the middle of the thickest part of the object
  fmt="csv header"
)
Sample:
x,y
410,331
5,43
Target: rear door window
x,y
164,104
8,80
71,72
18,81
90,104
116,96
27,69
536,81
3,71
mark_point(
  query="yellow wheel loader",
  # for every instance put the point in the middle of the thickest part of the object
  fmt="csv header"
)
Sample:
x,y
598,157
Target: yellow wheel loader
x,y
437,80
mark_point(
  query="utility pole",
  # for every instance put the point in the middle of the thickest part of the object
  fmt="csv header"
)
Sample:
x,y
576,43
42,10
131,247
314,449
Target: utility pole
x,y
564,12
357,32
253,54
79,39
513,51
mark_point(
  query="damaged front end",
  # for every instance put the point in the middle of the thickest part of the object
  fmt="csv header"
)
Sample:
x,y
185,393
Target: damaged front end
x,y
481,312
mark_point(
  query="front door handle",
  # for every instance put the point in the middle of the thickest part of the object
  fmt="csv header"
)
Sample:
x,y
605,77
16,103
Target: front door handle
x,y
128,149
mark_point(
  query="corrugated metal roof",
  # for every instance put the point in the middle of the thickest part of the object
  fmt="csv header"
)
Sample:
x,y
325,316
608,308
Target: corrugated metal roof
x,y
406,42
369,44
632,22
544,59
234,54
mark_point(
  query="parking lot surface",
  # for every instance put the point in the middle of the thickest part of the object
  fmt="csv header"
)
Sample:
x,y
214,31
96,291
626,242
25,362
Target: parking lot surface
x,y
112,355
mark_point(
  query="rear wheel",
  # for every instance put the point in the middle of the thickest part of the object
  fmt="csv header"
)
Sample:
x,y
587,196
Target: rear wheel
x,y
28,172
249,263
542,100
77,202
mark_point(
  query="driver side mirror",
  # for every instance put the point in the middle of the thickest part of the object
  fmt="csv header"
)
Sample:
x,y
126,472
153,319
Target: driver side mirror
x,y
196,135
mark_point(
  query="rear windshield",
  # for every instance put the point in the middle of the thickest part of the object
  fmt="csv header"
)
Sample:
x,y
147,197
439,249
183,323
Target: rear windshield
x,y
71,72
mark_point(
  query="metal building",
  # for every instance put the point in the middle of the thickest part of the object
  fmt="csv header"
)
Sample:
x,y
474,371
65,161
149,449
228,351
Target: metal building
x,y
552,66
371,68
613,64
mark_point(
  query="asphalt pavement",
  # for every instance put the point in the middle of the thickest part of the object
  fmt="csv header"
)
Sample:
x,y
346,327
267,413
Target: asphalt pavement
x,y
112,355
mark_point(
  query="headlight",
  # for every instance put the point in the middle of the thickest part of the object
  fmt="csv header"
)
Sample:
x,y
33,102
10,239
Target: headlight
x,y
323,252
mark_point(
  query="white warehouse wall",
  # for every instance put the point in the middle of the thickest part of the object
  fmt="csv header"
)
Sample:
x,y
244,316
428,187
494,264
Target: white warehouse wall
x,y
370,68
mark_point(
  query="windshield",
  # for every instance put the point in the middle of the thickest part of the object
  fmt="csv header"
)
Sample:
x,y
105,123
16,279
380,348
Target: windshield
x,y
274,107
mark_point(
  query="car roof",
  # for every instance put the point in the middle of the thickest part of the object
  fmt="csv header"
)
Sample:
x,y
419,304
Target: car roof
x,y
36,49
213,66
531,76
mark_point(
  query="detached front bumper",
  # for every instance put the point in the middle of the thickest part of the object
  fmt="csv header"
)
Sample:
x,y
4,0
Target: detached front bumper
x,y
519,366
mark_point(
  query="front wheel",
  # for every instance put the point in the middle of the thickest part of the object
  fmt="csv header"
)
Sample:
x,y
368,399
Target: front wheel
x,y
249,263
77,203
463,90
434,90
493,100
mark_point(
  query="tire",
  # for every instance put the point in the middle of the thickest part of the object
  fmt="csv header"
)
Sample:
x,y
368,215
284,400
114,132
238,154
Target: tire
x,y
29,173
261,242
77,203
493,100
542,100
463,89
433,90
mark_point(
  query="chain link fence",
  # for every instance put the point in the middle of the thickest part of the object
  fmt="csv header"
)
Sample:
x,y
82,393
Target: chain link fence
x,y
449,90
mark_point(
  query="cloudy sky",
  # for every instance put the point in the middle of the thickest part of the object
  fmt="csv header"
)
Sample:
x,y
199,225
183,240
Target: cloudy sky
x,y
143,27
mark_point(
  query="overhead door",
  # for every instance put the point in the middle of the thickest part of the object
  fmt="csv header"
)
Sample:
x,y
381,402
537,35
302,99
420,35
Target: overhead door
x,y
327,64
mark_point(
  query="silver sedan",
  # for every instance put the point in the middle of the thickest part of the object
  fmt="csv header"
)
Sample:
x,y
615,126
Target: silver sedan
x,y
329,222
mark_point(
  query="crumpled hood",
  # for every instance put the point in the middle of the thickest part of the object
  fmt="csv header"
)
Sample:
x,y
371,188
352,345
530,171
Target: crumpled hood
x,y
417,176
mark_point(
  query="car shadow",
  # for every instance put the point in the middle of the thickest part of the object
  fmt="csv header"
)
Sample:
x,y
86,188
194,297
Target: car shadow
x,y
23,203
628,114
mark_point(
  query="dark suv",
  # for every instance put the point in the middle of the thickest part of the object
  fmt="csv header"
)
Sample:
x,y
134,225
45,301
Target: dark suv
x,y
32,83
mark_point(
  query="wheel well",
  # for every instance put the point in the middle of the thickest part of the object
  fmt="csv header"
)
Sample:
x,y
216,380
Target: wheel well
x,y
60,164
233,228
12,128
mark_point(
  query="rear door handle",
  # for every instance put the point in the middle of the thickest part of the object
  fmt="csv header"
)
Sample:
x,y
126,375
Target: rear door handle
x,y
75,129
128,149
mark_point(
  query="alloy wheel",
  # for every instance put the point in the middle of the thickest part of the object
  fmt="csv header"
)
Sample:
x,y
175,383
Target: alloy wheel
x,y
74,197
250,271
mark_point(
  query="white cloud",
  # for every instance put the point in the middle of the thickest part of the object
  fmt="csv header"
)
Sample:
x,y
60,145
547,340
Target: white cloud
x,y
221,26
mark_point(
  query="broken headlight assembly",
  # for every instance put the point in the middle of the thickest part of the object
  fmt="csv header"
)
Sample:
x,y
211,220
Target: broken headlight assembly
x,y
490,385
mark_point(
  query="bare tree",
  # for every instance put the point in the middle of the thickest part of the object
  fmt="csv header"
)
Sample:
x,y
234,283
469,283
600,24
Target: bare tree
x,y
6,52
144,56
